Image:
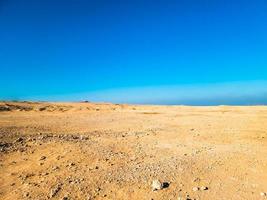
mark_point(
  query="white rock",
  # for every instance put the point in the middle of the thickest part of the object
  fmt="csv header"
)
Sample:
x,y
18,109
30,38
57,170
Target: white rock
x,y
195,189
263,194
156,185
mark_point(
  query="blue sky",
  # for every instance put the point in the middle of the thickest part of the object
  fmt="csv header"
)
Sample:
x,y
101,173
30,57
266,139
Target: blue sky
x,y
134,51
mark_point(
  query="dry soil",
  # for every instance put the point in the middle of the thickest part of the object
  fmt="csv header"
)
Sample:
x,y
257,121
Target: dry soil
x,y
108,151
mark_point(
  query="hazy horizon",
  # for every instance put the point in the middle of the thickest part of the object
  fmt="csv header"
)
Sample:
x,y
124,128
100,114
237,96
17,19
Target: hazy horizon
x,y
233,93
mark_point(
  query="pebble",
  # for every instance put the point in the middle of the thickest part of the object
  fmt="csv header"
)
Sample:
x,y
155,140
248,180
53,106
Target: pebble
x,y
185,198
156,185
42,158
65,197
55,190
19,139
196,179
203,188
26,194
263,194
71,164
44,173
195,189
82,137
55,168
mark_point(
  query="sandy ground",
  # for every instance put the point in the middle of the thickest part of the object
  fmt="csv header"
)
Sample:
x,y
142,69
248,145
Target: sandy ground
x,y
107,151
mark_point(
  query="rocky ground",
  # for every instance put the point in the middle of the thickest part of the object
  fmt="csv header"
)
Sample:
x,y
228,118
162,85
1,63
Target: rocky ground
x,y
107,151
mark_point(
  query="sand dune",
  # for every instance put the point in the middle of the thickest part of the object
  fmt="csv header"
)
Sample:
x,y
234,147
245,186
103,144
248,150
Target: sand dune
x,y
108,151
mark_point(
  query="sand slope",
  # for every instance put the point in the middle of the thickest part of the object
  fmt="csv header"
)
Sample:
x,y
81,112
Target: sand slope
x,y
107,151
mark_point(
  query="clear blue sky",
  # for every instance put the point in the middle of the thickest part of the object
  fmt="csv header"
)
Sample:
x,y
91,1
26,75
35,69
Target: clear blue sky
x,y
52,49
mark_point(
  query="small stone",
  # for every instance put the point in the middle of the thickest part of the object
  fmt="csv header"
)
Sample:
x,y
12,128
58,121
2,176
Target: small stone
x,y
203,188
26,194
42,158
55,168
65,197
44,173
156,185
55,190
184,198
75,137
196,179
19,139
83,137
263,194
195,189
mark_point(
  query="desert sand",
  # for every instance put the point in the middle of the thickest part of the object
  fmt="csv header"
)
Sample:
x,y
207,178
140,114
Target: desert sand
x,y
113,151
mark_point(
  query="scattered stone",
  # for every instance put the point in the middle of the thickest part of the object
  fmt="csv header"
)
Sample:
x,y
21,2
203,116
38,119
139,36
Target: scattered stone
x,y
4,146
5,108
195,189
156,185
